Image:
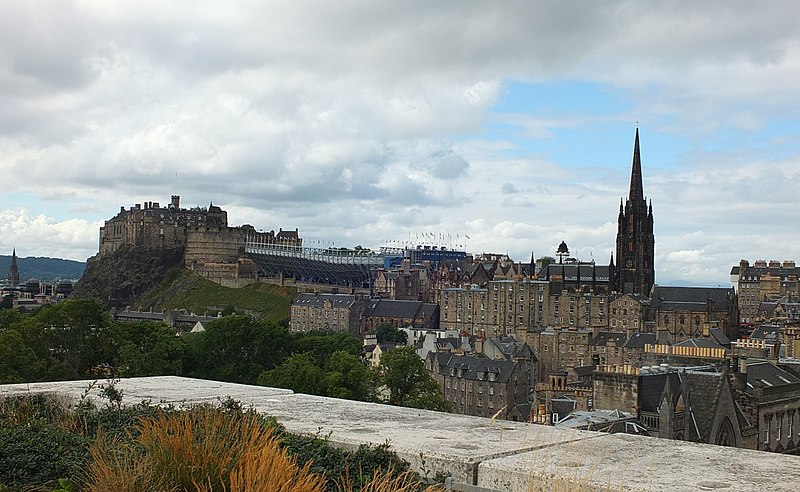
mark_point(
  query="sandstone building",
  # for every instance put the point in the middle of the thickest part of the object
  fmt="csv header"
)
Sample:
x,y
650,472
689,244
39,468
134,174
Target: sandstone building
x,y
763,281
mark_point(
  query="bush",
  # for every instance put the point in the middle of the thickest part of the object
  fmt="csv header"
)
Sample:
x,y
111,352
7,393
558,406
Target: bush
x,y
40,453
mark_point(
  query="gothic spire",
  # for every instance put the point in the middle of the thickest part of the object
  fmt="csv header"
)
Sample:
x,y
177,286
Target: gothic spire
x,y
636,194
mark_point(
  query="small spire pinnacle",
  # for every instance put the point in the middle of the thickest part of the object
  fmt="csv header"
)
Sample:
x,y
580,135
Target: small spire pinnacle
x,y
636,193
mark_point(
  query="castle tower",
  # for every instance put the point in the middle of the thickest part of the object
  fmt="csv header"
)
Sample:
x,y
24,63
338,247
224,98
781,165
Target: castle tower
x,y
13,271
635,269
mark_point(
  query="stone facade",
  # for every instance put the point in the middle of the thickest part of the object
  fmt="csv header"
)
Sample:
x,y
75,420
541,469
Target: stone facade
x,y
635,272
338,312
685,312
763,281
481,386
202,233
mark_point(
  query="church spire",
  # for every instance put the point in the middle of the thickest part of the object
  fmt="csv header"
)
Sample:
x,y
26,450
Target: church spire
x,y
636,193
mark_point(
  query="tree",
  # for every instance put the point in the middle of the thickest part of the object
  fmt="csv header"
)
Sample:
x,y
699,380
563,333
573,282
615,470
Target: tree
x,y
546,260
146,349
76,333
17,360
408,382
322,344
347,376
298,373
386,333
237,348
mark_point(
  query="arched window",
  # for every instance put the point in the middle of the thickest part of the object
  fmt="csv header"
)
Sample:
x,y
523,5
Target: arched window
x,y
725,435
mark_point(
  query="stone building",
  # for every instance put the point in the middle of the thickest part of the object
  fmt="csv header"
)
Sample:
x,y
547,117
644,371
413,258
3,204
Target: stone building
x,y
465,310
13,271
407,283
558,349
635,271
695,404
486,386
338,312
628,313
208,244
399,314
770,398
763,282
684,312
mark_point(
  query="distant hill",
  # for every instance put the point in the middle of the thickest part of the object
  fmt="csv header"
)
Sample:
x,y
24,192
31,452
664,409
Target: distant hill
x,y
43,269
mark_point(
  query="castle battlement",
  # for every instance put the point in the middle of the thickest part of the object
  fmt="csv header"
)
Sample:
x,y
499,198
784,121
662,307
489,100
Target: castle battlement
x,y
202,233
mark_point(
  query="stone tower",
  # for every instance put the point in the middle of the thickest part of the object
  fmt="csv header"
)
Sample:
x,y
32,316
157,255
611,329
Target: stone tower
x,y
635,269
13,271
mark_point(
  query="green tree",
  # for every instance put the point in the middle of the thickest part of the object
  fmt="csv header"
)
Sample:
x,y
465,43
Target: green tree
x,y
76,333
546,260
323,344
347,376
408,382
17,359
6,303
146,349
386,333
298,373
237,349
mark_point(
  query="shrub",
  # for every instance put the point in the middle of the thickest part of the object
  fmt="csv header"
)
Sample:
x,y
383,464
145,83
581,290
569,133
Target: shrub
x,y
40,453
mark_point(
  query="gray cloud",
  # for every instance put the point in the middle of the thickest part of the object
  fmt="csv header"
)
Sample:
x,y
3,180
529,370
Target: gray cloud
x,y
361,122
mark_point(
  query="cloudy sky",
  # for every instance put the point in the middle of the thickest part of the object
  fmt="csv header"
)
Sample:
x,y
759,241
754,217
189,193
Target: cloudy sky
x,y
362,122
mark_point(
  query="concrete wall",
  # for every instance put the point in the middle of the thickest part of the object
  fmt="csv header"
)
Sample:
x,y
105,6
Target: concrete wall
x,y
501,455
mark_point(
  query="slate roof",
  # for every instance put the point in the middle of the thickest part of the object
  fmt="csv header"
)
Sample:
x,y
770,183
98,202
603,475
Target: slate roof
x,y
572,271
514,348
700,342
617,339
769,375
317,300
611,421
563,405
720,337
638,340
692,298
472,365
767,332
652,387
390,308
140,315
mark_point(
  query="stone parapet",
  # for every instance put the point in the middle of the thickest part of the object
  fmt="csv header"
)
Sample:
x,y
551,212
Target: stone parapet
x,y
498,454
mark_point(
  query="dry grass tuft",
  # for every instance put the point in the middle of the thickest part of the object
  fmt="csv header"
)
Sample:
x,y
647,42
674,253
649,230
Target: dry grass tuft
x,y
387,481
271,469
120,468
201,449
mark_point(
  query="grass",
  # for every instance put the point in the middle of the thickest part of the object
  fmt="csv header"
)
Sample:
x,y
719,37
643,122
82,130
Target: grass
x,y
183,289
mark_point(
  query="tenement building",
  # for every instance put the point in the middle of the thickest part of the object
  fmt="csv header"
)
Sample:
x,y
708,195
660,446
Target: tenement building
x,y
763,281
337,312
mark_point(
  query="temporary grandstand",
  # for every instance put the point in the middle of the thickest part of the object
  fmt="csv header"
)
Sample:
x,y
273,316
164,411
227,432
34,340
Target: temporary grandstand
x,y
334,266
355,268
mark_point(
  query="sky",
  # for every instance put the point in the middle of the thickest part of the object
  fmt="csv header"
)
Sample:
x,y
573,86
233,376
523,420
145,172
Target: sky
x,y
502,127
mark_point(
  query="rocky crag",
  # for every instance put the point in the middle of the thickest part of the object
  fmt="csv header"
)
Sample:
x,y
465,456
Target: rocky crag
x,y
119,278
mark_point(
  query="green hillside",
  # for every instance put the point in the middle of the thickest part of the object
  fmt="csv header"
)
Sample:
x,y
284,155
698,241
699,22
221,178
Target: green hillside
x,y
43,269
183,289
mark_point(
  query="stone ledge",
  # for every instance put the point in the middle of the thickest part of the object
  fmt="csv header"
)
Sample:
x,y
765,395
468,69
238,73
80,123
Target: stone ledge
x,y
489,453
619,462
